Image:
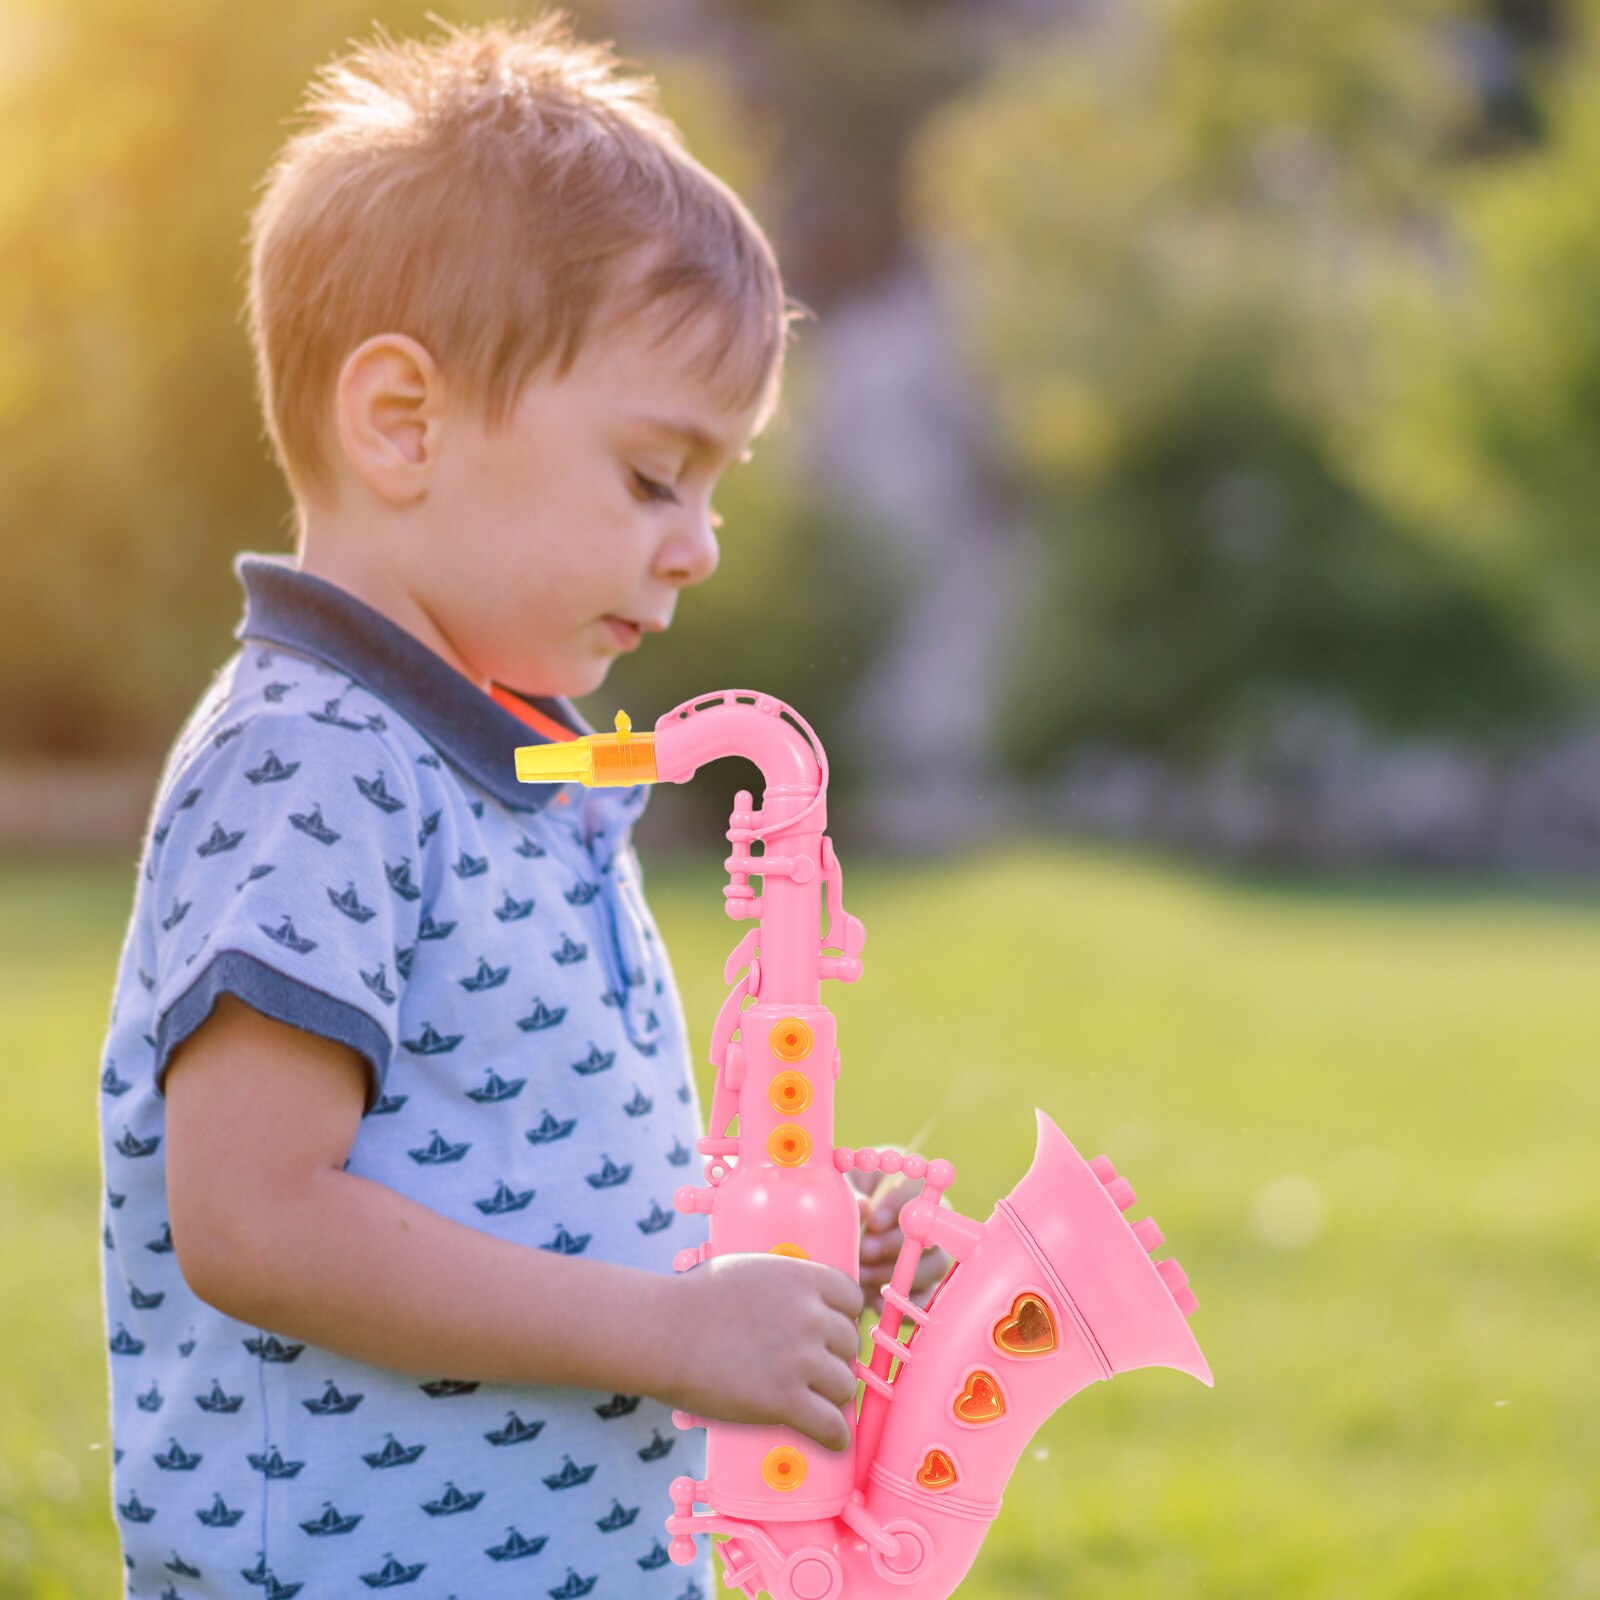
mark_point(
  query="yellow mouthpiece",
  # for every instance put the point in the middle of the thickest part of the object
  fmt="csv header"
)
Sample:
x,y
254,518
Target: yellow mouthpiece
x,y
602,760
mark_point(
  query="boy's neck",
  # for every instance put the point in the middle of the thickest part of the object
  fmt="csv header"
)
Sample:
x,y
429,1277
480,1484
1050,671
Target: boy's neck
x,y
334,556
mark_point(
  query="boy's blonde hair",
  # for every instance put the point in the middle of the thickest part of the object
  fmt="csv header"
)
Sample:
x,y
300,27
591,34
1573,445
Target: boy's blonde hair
x,y
502,194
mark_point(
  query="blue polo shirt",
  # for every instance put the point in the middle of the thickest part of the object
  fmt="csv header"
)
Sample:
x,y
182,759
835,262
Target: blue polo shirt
x,y
339,839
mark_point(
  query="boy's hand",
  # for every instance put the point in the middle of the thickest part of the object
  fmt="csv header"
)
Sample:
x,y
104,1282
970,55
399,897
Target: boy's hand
x,y
880,1197
762,1338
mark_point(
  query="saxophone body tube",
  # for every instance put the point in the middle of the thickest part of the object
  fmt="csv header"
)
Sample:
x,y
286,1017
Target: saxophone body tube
x,y
1055,1291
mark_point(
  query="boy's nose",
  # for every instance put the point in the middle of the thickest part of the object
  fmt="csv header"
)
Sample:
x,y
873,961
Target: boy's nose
x,y
692,554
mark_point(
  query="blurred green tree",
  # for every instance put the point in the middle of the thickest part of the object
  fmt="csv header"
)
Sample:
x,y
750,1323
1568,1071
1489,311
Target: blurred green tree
x,y
1165,238
1492,378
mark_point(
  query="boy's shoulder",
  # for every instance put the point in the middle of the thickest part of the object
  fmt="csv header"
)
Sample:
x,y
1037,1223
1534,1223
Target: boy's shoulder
x,y
271,711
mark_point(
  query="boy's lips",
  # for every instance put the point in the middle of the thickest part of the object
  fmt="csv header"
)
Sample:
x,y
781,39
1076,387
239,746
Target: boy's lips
x,y
628,634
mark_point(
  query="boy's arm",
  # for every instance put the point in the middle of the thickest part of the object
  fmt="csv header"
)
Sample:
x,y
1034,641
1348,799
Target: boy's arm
x,y
270,1229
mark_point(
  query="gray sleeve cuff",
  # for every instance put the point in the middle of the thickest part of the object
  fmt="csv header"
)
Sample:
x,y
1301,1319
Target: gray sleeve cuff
x,y
282,998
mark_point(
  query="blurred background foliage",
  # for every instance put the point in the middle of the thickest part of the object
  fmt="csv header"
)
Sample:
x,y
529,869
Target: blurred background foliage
x,y
1284,321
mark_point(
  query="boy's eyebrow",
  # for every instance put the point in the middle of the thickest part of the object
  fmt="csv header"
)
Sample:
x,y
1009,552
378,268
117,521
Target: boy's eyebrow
x,y
704,442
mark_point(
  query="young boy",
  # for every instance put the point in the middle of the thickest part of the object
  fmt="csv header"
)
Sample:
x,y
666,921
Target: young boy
x,y
397,1088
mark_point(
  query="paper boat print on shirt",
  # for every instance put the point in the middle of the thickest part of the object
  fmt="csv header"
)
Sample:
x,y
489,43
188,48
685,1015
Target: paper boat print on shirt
x,y
569,951
272,1348
528,849
452,1502
393,1454
152,1399
329,714
272,1465
429,929
486,977
550,1129
221,1514
430,826
581,893
311,824
570,1476
331,1521
542,1016
162,1246
400,879
565,1244
350,903
376,791
609,1175
467,866
264,1576
619,1516
438,1151
392,1575
333,1403
133,1147
516,1431
574,1586
515,1547
656,1221
504,1199
657,1447
388,1104
142,1300
443,1388
512,910
218,1400
177,1459
135,1510
679,1154
619,1405
640,1104
272,770
110,1083
183,1569
496,1089
219,841
378,983
597,1060
432,1042
285,935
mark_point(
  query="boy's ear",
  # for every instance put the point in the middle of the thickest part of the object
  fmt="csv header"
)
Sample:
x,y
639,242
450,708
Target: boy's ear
x,y
388,405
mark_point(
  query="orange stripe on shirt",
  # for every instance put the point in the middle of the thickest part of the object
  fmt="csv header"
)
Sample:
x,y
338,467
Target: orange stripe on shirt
x,y
531,715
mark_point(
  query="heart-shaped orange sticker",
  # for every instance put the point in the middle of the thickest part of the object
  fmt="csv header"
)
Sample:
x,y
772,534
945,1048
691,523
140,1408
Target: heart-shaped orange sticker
x,y
937,1471
1027,1329
981,1399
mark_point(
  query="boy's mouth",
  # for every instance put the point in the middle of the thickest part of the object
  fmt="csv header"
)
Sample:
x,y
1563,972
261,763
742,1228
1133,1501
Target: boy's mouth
x,y
627,634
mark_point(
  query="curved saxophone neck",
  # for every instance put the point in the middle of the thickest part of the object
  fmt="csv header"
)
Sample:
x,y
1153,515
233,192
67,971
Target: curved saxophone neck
x,y
734,722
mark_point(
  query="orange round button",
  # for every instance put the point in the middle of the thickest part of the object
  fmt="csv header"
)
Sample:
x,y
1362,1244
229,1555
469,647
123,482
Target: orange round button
x,y
790,1091
784,1467
789,1145
789,1250
790,1039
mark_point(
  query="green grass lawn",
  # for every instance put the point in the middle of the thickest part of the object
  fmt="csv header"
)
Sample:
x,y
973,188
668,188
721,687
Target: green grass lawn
x,y
1366,1115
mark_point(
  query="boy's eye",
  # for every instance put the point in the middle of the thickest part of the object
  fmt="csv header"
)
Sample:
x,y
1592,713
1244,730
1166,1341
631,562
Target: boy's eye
x,y
651,490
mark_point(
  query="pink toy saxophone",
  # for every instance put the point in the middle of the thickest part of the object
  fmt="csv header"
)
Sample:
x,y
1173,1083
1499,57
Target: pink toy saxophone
x,y
1055,1290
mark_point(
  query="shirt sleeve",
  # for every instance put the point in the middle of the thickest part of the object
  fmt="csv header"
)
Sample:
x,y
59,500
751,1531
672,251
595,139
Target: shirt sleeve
x,y
284,876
